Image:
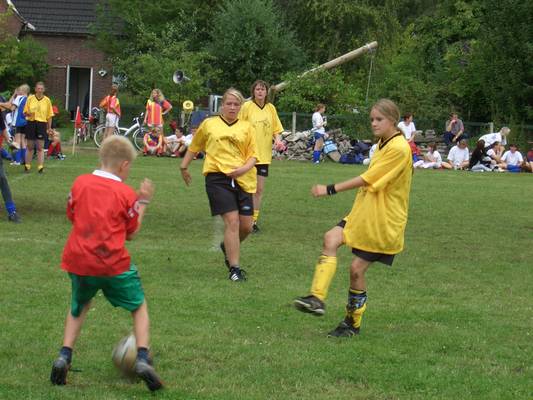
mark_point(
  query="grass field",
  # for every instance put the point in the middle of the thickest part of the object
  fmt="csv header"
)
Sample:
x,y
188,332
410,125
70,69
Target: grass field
x,y
452,319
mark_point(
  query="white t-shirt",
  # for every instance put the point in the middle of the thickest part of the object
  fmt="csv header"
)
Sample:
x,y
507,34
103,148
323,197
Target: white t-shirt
x,y
434,157
318,121
408,130
457,155
174,138
490,138
512,158
188,139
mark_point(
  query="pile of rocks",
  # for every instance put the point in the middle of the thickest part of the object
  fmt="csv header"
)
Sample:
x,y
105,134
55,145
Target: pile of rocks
x,y
300,146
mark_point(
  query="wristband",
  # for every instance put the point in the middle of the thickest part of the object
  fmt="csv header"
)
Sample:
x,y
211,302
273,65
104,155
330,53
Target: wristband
x,y
184,169
143,201
331,189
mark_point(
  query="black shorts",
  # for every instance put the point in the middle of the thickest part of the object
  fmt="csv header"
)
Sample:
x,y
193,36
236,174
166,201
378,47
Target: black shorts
x,y
226,195
262,169
20,129
35,130
386,259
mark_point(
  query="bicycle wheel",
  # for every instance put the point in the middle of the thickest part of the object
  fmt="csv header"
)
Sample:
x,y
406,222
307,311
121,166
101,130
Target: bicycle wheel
x,y
99,135
138,139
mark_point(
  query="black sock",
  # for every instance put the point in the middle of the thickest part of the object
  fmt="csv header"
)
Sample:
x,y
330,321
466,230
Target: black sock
x,y
66,352
142,354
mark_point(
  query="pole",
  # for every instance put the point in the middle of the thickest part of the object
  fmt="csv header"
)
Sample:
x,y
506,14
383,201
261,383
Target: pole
x,y
293,122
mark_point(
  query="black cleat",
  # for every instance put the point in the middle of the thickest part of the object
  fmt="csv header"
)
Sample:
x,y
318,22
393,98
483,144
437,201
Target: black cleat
x,y
344,329
14,217
310,304
59,371
223,248
237,275
255,228
40,170
147,373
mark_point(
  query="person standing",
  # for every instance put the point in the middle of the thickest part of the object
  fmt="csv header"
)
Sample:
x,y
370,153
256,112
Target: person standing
x,y
38,112
12,215
374,228
156,108
267,127
111,104
230,177
407,126
319,132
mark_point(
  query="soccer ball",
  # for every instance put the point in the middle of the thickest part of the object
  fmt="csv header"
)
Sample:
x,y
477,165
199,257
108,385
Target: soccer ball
x,y
125,354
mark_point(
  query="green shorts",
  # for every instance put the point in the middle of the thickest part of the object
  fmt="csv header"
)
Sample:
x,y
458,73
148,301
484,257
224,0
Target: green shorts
x,y
124,290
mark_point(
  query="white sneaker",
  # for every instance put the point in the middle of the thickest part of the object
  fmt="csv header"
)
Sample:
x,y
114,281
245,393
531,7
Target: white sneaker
x,y
14,163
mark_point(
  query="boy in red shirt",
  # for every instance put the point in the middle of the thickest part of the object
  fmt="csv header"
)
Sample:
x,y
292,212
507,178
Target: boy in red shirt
x,y
105,213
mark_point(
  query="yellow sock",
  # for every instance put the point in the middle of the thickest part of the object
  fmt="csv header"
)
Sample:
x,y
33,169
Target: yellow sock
x,y
40,166
324,273
28,166
356,306
256,215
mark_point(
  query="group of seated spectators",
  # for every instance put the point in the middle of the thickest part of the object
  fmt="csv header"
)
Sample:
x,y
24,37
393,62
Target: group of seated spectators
x,y
175,145
489,154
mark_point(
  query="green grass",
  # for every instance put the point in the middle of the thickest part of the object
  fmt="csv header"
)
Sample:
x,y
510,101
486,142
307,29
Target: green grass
x,y
452,319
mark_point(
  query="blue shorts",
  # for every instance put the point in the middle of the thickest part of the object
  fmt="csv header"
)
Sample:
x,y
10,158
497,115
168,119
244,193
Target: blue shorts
x,y
319,135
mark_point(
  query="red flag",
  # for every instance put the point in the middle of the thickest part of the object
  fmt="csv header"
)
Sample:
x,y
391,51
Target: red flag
x,y
77,121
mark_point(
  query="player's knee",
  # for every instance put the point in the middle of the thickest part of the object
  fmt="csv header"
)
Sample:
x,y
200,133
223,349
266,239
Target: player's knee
x,y
332,240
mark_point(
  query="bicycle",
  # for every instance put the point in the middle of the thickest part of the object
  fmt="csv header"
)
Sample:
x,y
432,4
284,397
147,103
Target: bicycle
x,y
136,132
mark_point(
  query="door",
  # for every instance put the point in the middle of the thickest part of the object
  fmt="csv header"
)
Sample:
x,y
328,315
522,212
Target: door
x,y
79,90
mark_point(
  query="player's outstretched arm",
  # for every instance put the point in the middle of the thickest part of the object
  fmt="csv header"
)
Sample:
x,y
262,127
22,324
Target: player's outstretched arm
x,y
144,196
328,190
184,167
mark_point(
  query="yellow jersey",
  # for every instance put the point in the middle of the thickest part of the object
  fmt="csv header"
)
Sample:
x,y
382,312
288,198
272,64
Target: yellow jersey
x,y
379,214
38,110
266,124
227,147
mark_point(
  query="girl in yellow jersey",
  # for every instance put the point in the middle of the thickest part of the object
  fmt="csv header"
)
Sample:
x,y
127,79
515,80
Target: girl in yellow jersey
x,y
264,119
230,177
38,112
374,229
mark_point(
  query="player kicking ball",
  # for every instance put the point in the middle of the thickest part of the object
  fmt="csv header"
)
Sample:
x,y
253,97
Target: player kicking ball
x,y
105,213
375,226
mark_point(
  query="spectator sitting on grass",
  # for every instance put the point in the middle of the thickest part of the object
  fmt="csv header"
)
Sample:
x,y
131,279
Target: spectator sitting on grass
x,y
54,149
174,145
432,159
478,159
153,142
495,152
528,164
512,159
458,157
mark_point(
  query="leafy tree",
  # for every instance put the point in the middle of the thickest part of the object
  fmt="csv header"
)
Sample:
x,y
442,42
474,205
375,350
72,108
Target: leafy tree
x,y
250,41
22,61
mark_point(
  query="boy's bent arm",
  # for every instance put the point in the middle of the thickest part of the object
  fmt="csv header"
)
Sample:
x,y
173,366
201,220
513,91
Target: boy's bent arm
x,y
144,196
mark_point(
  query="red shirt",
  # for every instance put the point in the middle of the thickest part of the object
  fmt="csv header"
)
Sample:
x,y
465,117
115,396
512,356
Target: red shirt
x,y
154,112
102,210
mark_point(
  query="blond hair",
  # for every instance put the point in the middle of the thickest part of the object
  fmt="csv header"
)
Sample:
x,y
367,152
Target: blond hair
x,y
115,150
319,106
388,109
24,88
233,92
505,131
160,96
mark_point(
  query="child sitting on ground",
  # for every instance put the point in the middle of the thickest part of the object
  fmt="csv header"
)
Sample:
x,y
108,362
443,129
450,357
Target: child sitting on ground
x,y
512,159
432,159
174,145
105,213
153,142
54,149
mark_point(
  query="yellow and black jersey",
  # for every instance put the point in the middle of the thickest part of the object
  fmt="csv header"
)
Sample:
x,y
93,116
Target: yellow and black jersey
x,y
39,110
227,147
379,214
266,124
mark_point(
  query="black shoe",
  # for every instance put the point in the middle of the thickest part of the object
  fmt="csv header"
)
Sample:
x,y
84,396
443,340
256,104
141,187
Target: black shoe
x,y
26,169
223,248
40,170
59,371
344,329
237,275
255,228
147,373
14,217
310,304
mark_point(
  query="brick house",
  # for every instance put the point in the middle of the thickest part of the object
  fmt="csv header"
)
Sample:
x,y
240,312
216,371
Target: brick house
x,y
79,74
